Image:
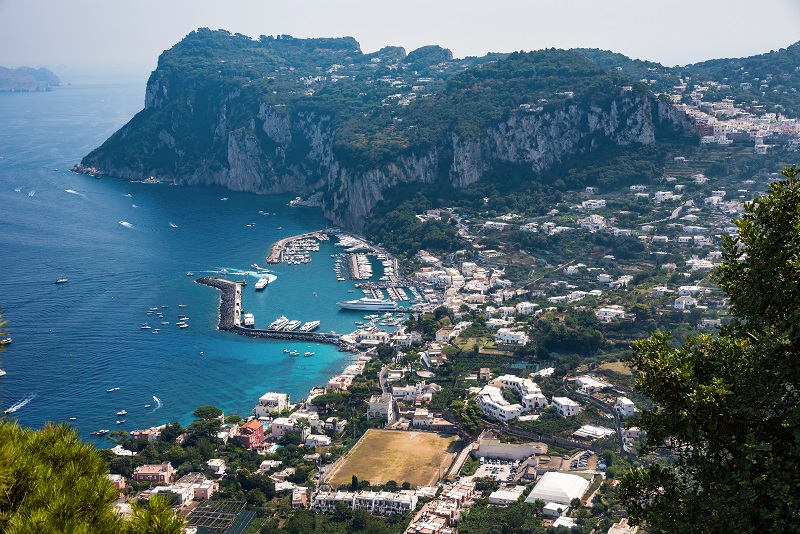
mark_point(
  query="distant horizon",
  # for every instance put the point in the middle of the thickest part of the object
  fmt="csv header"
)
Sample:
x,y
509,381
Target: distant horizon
x,y
124,40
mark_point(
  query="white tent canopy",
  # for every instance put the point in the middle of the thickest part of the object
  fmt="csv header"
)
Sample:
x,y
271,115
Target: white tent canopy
x,y
558,487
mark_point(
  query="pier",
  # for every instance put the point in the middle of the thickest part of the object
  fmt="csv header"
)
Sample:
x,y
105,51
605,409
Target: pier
x,y
230,313
277,248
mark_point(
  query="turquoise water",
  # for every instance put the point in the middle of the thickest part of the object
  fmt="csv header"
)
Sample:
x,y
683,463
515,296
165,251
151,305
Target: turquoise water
x,y
73,341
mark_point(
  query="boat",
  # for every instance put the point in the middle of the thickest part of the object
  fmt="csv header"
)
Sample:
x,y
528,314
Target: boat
x,y
223,271
190,273
5,341
278,323
307,354
184,325
73,418
145,326
294,353
286,351
122,412
181,305
291,325
147,405
112,390
309,326
3,372
369,304
261,284
62,281
101,432
165,306
121,421
280,228
164,322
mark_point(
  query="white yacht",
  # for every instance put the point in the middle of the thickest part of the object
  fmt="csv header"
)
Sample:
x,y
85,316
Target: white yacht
x,y
278,323
261,284
291,325
368,304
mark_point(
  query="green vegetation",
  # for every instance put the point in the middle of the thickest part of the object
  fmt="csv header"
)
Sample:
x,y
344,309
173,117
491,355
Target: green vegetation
x,y
731,399
52,482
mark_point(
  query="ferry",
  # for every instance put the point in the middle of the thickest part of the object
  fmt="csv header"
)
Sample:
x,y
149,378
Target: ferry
x,y
291,325
278,323
368,304
309,326
261,284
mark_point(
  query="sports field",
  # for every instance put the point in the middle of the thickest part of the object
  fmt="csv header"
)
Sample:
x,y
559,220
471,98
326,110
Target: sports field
x,y
383,455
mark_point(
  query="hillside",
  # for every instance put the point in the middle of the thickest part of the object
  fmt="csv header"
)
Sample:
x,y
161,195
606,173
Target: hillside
x,y
280,114
27,79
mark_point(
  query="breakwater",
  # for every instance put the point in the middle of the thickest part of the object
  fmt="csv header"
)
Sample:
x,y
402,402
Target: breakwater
x,y
230,308
277,248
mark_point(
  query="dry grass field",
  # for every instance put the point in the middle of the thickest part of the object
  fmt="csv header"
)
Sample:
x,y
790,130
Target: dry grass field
x,y
383,455
617,367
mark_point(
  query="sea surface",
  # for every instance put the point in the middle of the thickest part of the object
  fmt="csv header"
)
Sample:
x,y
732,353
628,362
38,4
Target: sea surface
x,y
127,247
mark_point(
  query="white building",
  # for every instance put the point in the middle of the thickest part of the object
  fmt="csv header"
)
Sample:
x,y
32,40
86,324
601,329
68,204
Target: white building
x,y
506,495
625,407
271,402
588,384
382,406
566,407
685,303
376,502
493,404
528,390
510,337
318,440
524,308
609,313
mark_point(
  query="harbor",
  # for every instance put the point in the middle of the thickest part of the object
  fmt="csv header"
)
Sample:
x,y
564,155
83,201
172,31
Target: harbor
x,y
282,250
230,313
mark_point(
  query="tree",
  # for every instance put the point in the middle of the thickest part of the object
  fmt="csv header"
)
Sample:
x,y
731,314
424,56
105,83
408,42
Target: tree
x,y
155,517
207,412
50,482
728,407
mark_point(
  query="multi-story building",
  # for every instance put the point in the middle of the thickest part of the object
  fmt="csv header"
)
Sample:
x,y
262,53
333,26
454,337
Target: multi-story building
x,y
566,407
162,473
271,402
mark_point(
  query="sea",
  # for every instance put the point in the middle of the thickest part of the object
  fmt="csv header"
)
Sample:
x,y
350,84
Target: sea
x,y
125,248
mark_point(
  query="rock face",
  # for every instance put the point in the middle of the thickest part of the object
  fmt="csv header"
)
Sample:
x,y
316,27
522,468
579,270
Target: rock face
x,y
28,79
229,134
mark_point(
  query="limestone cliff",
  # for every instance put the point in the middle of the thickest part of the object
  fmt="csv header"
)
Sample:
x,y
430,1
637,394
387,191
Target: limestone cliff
x,y
259,133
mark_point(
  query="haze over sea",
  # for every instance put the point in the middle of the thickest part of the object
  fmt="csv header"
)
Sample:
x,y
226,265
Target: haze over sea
x,y
74,341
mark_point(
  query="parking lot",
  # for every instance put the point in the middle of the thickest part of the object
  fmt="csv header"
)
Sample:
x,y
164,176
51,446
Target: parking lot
x,y
501,470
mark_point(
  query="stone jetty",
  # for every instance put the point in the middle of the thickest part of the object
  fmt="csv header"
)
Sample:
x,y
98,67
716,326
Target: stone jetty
x,y
230,308
276,251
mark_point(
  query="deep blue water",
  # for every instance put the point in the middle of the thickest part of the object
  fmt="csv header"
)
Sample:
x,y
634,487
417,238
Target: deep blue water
x,y
73,341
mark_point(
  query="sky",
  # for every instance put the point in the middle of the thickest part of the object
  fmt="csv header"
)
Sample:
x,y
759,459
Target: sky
x,y
125,37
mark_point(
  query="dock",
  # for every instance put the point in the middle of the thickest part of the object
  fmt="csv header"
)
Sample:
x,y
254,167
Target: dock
x,y
277,248
230,316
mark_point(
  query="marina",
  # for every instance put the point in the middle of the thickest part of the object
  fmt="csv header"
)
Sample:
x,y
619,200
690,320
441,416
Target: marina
x,y
230,310
283,251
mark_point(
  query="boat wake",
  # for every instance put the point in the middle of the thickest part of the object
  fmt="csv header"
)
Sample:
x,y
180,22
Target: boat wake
x,y
172,224
126,224
159,404
73,192
31,192
20,404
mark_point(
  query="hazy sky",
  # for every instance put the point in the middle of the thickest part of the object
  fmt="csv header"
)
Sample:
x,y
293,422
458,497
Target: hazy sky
x,y
121,36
